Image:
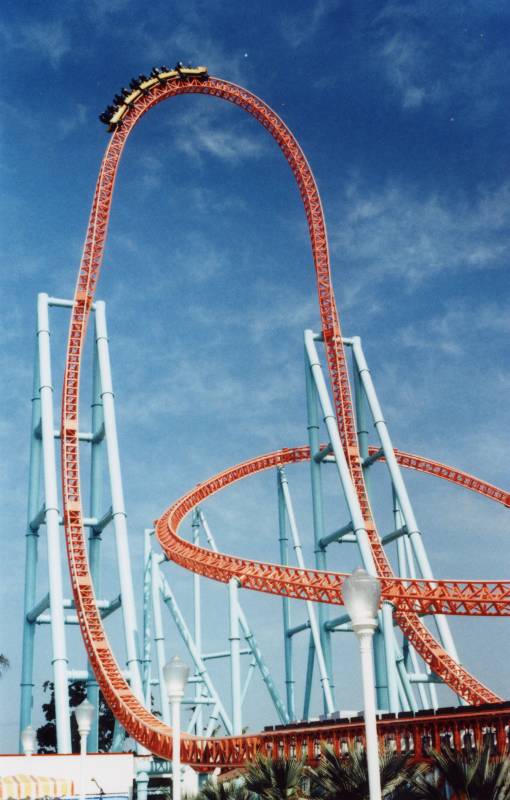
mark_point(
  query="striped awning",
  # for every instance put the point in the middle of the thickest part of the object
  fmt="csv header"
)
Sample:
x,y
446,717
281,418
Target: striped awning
x,y
33,786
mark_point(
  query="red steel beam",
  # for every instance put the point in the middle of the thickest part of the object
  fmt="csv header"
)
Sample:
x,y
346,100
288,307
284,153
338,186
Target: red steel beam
x,y
139,722
459,597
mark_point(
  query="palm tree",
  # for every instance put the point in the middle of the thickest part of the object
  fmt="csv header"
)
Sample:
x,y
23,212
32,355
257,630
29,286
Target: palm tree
x,y
275,778
227,790
345,777
473,775
4,663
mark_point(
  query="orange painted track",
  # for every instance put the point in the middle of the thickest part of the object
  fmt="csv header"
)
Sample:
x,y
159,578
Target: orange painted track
x,y
140,723
472,598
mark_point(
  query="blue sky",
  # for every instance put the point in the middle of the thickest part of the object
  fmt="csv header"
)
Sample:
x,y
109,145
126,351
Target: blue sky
x,y
402,111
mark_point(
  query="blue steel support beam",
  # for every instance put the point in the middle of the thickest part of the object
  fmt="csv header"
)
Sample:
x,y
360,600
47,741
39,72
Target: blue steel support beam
x,y
382,653
340,459
343,469
249,676
223,654
314,626
159,636
434,703
408,652
200,667
147,617
118,505
390,654
310,662
59,650
96,500
305,626
283,540
263,669
400,489
32,537
250,639
235,660
313,425
342,534
197,616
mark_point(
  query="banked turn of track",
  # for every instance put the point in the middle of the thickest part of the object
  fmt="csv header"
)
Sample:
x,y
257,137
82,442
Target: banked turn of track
x,y
409,597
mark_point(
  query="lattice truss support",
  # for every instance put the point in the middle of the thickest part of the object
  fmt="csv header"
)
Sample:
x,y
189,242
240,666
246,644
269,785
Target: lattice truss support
x,y
404,681
48,606
209,713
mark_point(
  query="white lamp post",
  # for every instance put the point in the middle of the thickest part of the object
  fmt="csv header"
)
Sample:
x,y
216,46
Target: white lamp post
x,y
176,673
362,593
84,714
29,740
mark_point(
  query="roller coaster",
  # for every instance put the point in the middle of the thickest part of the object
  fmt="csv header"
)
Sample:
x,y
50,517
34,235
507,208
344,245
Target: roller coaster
x,y
405,599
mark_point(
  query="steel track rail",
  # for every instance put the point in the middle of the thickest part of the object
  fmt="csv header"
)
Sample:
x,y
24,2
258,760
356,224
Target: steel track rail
x,y
140,724
455,597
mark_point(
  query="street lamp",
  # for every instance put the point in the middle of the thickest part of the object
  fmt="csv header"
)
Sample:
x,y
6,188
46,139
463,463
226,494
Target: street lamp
x,y
29,740
84,714
175,674
362,593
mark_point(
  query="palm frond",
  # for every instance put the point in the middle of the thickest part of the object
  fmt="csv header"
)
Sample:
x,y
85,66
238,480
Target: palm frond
x,y
231,790
274,778
345,777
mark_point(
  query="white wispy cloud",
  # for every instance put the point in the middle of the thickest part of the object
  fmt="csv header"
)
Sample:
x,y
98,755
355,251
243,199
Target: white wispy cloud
x,y
76,118
412,47
395,232
452,331
50,40
298,27
403,59
191,41
204,131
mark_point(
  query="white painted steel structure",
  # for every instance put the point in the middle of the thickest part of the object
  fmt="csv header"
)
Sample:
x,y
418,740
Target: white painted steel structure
x,y
44,511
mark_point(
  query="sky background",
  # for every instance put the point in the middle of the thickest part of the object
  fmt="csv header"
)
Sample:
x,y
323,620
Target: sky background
x,y
402,112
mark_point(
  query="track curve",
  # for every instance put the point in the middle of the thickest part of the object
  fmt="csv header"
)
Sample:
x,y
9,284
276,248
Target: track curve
x,y
456,597
141,724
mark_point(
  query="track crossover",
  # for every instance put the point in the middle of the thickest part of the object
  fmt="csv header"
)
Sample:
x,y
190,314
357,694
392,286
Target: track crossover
x,y
409,597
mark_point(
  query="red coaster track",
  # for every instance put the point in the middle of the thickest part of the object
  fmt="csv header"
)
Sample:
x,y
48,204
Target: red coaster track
x,y
409,597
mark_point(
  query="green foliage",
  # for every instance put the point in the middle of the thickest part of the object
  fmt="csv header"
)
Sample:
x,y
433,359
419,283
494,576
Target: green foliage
x,y
275,778
227,790
346,777
47,733
472,775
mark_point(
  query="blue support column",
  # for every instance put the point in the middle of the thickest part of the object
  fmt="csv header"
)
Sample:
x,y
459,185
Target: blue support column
x,y
118,506
318,517
198,661
309,677
197,619
53,536
287,640
147,617
96,501
32,537
408,653
380,660
310,607
262,666
390,654
413,531
235,660
250,639
159,636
